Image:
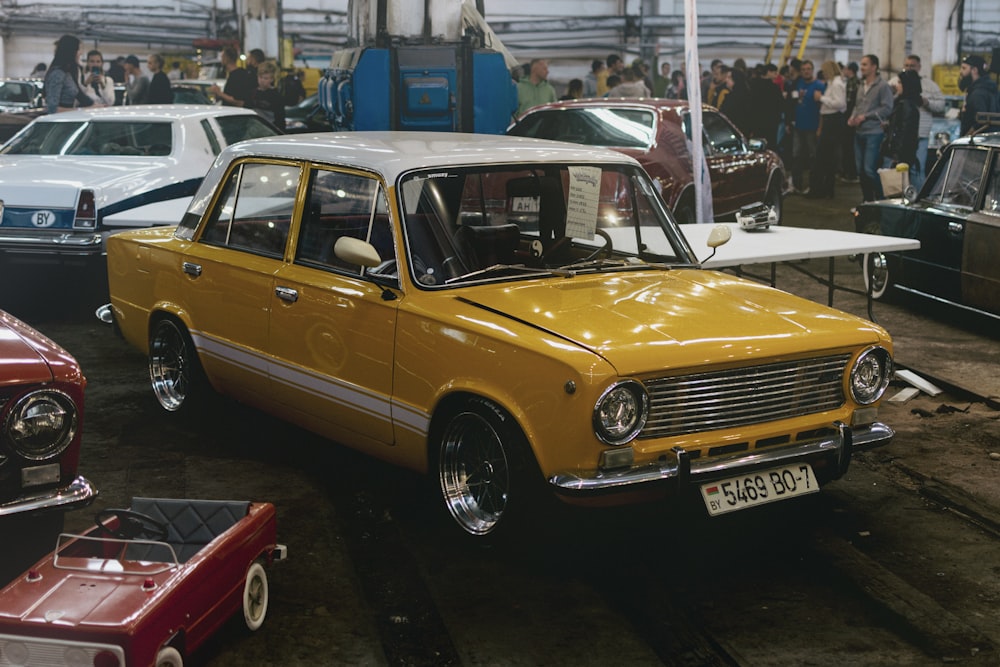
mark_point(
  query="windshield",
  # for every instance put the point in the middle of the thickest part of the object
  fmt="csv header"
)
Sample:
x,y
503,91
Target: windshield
x,y
496,222
112,137
591,126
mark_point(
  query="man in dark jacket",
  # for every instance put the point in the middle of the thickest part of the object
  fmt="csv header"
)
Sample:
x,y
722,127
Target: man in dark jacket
x,y
980,92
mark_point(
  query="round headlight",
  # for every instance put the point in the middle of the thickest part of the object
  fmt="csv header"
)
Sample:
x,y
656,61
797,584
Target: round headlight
x,y
41,424
870,375
621,413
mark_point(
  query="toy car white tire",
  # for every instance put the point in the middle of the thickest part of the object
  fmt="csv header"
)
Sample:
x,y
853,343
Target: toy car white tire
x,y
255,597
169,657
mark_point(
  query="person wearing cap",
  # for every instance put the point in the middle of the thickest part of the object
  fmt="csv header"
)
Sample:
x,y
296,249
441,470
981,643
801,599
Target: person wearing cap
x,y
980,92
136,83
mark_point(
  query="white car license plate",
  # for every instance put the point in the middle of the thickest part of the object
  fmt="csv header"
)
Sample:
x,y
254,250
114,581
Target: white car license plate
x,y
757,488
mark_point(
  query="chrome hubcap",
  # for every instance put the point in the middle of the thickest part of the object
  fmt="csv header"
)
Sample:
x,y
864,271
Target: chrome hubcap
x,y
474,474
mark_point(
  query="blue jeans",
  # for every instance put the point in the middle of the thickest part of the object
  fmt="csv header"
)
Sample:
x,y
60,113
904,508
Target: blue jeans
x,y
867,160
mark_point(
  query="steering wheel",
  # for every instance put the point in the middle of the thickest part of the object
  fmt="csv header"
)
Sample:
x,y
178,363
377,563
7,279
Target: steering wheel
x,y
606,248
131,525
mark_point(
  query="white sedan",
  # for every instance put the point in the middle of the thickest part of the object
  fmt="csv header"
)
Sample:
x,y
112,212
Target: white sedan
x,y
67,180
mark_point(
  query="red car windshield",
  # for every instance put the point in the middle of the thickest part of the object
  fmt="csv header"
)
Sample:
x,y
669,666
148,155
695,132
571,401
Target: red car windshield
x,y
590,126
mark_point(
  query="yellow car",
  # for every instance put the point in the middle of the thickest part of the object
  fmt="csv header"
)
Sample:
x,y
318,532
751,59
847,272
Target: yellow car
x,y
506,314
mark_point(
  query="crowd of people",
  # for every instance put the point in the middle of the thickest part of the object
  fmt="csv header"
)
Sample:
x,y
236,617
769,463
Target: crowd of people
x,y
69,85
829,122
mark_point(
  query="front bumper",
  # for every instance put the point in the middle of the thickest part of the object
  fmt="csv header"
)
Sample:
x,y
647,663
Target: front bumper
x,y
79,243
684,470
78,493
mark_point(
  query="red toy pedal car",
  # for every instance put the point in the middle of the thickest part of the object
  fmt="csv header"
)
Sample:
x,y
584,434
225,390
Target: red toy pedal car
x,y
145,586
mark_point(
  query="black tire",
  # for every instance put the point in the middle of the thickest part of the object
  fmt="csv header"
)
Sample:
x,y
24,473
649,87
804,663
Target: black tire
x,y
486,472
175,373
774,197
878,274
685,212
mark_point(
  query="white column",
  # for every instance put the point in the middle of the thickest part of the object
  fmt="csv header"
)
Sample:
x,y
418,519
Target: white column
x,y
885,33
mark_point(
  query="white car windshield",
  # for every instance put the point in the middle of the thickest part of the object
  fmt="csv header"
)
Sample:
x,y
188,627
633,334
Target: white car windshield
x,y
111,137
491,223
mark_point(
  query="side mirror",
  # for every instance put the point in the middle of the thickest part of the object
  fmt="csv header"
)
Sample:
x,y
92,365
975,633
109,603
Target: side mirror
x,y
909,195
356,251
757,144
719,235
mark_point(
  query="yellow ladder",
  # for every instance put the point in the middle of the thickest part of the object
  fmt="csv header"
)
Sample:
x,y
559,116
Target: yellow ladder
x,y
793,27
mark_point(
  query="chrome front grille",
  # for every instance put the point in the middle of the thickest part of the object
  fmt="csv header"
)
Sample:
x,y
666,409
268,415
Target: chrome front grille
x,y
741,396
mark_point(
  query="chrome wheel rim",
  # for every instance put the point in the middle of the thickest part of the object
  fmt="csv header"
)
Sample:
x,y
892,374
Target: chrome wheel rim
x,y
474,473
877,272
168,366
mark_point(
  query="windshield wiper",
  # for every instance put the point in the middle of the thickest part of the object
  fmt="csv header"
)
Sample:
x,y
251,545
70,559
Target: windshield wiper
x,y
628,263
516,268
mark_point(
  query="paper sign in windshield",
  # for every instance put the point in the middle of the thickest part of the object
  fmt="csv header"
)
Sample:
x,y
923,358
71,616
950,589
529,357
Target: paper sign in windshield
x,y
581,207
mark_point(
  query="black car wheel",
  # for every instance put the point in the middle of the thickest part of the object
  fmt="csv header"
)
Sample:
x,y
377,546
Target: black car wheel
x,y
774,198
878,277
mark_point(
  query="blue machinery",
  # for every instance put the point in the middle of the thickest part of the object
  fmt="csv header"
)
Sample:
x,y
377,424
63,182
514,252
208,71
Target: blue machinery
x,y
397,85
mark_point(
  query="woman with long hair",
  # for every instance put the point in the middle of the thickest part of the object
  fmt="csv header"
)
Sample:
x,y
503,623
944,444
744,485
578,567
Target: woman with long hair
x,y
62,90
903,135
832,124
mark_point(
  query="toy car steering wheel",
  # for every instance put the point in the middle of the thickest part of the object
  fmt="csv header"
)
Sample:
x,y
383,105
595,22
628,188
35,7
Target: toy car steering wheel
x,y
131,525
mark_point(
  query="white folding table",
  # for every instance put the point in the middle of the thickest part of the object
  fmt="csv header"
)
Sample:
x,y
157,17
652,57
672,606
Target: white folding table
x,y
779,243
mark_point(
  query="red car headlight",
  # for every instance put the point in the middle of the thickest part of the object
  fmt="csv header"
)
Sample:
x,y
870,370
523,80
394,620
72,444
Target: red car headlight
x,y
41,424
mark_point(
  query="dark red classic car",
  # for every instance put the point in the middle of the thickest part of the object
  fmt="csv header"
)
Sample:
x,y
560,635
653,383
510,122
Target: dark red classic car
x,y
144,586
656,132
41,417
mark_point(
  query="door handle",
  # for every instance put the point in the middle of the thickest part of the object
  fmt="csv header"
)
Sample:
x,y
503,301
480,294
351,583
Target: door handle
x,y
955,227
287,294
191,269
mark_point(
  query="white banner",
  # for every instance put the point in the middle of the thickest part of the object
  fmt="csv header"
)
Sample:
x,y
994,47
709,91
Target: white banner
x,y
702,179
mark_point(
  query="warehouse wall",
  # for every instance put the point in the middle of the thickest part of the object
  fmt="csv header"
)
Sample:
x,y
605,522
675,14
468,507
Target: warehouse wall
x,y
570,32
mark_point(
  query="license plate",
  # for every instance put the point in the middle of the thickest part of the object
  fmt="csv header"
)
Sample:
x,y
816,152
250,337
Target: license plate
x,y
752,489
46,474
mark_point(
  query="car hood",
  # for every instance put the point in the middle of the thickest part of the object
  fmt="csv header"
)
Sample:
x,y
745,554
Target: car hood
x,y
640,322
78,599
55,181
24,354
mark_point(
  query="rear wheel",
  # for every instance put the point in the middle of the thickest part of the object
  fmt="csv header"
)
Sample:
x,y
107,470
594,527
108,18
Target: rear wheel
x,y
773,198
255,597
486,472
174,372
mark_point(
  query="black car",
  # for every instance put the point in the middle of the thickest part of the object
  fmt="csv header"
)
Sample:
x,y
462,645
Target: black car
x,y
307,116
956,218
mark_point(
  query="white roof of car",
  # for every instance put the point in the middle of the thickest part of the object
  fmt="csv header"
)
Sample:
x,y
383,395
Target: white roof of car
x,y
146,112
392,153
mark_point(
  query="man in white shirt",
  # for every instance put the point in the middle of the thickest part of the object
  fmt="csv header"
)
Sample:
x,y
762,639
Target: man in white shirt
x,y
94,83
931,104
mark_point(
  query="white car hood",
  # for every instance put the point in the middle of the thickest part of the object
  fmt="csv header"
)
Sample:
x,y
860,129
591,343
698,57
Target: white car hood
x,y
54,181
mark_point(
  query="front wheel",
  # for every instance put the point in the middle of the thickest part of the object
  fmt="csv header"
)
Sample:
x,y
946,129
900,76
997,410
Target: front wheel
x,y
174,371
685,212
485,468
877,275
169,657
